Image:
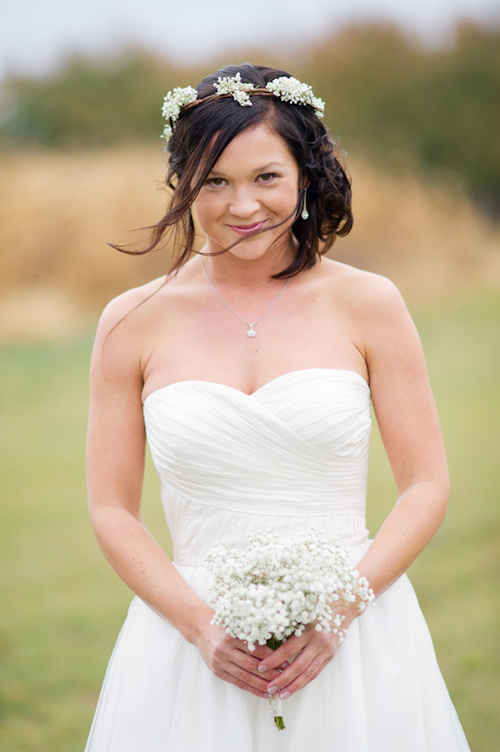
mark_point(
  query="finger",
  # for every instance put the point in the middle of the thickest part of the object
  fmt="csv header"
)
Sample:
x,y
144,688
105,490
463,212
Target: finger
x,y
229,655
260,651
296,668
243,676
226,676
252,665
241,666
305,677
284,654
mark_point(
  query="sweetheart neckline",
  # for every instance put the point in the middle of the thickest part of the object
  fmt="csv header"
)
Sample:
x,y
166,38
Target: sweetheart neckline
x,y
349,371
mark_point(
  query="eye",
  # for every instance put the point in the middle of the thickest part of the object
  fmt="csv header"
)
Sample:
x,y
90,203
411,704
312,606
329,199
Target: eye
x,y
215,182
268,177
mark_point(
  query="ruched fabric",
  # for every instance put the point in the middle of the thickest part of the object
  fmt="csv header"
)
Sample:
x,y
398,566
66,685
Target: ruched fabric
x,y
291,457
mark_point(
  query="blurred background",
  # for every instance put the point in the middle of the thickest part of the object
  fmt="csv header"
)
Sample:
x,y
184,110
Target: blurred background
x,y
412,94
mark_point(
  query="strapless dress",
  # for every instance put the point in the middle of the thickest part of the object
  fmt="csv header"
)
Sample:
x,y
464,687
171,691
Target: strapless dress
x,y
290,457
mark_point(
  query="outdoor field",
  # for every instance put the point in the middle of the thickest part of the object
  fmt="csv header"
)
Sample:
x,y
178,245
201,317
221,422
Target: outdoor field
x,y
82,165
62,606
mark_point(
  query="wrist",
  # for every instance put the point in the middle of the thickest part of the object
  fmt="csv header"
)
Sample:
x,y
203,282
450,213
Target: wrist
x,y
343,616
195,622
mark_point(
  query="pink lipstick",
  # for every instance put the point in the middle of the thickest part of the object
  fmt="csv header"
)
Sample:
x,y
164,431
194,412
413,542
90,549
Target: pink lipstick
x,y
248,229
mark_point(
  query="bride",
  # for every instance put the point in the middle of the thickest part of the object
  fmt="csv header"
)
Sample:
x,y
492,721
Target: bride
x,y
250,368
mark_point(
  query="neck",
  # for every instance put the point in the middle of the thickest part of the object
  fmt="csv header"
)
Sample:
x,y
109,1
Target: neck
x,y
238,271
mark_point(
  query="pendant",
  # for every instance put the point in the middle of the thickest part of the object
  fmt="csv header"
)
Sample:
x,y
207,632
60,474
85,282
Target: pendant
x,y
251,331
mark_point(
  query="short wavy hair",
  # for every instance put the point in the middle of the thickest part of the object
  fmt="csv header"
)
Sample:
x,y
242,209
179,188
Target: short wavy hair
x,y
203,131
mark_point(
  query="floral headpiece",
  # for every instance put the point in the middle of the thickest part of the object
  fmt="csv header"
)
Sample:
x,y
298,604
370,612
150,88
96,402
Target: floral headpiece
x,y
285,88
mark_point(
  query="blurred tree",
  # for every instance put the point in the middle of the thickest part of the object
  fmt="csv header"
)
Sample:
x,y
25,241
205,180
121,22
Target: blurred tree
x,y
388,96
406,105
91,102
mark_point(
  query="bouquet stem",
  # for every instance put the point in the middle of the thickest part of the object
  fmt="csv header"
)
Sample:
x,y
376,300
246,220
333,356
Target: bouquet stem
x,y
275,708
278,721
275,702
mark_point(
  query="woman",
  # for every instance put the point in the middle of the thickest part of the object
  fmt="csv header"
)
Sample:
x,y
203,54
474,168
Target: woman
x,y
251,367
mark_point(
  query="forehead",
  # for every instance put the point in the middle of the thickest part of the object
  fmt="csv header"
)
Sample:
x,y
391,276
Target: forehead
x,y
255,146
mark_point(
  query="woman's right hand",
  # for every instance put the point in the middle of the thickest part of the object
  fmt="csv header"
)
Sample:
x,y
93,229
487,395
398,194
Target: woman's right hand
x,y
232,661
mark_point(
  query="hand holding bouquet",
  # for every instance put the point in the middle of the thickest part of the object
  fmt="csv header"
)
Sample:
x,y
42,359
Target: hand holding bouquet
x,y
281,585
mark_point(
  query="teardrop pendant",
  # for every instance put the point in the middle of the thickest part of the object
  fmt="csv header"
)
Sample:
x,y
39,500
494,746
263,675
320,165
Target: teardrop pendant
x,y
305,213
251,331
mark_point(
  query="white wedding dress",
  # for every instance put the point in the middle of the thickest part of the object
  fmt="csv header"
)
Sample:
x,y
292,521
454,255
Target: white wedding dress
x,y
290,457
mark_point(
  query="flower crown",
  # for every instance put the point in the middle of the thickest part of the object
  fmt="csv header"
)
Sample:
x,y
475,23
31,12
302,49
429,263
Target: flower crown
x,y
286,88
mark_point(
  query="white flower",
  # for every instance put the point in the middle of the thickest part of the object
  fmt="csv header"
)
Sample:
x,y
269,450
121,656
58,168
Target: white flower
x,y
292,90
285,88
236,87
172,104
280,585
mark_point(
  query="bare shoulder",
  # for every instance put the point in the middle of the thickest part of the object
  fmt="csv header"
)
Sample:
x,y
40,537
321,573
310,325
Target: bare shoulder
x,y
377,317
120,307
119,351
364,293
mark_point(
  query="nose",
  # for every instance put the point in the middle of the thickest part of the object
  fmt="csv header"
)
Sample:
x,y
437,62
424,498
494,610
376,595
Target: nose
x,y
243,203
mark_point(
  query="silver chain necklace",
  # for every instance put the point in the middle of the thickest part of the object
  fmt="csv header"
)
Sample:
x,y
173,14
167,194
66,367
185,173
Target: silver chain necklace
x,y
251,331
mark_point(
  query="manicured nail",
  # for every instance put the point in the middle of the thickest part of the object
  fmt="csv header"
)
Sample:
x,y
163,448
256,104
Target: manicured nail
x,y
284,665
262,668
284,695
273,690
267,695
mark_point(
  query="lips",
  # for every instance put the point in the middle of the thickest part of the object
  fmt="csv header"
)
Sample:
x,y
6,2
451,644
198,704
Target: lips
x,y
248,229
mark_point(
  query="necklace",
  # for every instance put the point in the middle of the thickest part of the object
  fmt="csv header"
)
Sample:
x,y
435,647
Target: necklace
x,y
251,331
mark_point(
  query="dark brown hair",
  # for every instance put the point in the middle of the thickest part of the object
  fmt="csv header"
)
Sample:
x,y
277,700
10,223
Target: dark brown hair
x,y
203,131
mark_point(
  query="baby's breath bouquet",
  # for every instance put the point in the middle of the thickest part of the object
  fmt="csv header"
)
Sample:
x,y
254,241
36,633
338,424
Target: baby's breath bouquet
x,y
279,586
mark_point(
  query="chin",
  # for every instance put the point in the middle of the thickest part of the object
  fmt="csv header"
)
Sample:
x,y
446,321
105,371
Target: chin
x,y
258,247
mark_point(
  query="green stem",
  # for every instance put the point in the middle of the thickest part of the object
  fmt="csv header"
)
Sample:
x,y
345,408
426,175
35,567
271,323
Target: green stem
x,y
278,720
273,643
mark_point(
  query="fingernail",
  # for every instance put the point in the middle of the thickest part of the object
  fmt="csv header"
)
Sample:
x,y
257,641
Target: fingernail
x,y
273,690
284,665
262,668
267,695
284,695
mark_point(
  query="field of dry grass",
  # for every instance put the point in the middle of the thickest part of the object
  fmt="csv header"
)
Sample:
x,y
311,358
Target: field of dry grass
x,y
62,605
57,210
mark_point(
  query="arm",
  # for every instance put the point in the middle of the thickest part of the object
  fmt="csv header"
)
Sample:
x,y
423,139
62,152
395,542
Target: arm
x,y
115,467
409,426
410,430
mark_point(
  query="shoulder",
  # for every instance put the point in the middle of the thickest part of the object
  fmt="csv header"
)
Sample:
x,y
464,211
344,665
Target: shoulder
x,y
363,294
119,347
120,308
374,312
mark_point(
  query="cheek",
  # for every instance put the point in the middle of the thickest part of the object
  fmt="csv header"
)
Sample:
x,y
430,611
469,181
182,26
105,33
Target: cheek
x,y
206,209
203,211
288,199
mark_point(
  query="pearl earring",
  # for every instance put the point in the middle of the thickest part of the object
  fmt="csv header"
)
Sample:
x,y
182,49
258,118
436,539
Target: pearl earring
x,y
305,213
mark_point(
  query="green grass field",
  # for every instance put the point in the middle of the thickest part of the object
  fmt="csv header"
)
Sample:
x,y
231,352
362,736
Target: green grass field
x,y
62,606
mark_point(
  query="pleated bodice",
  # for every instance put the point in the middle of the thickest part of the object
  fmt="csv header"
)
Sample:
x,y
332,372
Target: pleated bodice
x,y
230,463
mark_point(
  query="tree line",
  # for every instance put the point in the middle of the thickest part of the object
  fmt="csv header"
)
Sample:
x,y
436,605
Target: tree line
x,y
389,98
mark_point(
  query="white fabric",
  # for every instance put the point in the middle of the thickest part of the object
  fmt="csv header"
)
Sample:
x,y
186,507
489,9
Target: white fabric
x,y
290,457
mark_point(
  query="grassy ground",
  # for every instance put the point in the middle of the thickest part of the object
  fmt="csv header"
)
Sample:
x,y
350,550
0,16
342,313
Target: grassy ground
x,y
62,606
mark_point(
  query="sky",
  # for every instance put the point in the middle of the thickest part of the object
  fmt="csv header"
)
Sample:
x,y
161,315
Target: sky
x,y
38,35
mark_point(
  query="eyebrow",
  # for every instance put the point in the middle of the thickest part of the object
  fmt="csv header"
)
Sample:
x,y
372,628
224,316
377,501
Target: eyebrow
x,y
269,166
264,168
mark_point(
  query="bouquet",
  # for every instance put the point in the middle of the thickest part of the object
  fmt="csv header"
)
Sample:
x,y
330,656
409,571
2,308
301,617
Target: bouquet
x,y
279,586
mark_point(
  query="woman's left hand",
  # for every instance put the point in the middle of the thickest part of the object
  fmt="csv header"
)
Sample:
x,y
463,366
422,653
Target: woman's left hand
x,y
313,651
